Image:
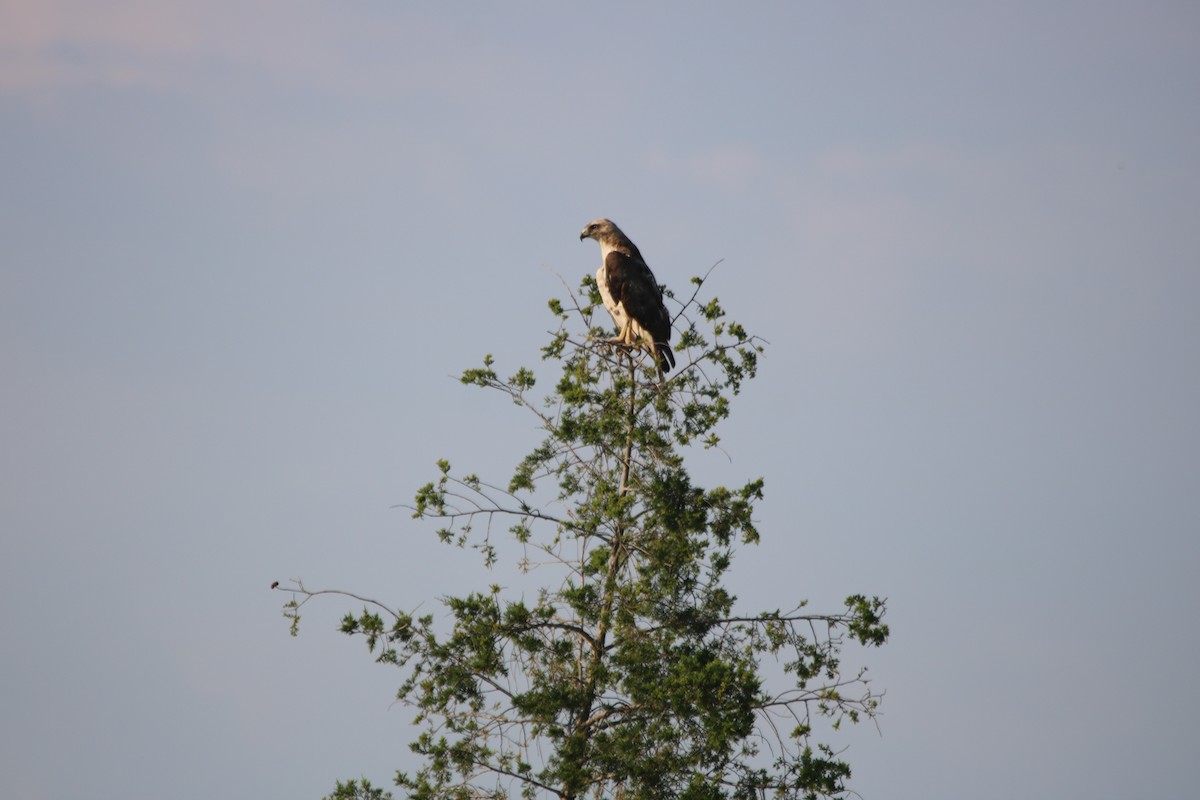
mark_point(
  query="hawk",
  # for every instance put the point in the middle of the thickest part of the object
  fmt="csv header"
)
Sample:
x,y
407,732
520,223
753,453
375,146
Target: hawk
x,y
631,294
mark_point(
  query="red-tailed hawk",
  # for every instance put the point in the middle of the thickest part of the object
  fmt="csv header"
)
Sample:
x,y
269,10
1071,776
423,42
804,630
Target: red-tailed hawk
x,y
631,294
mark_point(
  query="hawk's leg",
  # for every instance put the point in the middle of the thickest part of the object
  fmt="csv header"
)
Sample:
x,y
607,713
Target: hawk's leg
x,y
625,338
617,342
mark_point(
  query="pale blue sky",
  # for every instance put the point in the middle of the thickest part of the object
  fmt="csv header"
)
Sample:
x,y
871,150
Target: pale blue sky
x,y
245,245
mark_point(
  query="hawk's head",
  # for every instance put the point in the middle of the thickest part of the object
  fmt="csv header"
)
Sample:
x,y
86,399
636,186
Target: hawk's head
x,y
601,230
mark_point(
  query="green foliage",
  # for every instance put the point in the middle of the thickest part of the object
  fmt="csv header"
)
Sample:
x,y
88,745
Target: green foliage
x,y
356,790
630,674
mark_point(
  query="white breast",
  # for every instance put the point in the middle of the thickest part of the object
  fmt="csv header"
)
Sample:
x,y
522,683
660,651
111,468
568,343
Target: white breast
x,y
617,313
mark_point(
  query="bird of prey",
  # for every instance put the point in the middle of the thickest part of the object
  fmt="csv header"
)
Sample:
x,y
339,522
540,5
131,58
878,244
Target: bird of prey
x,y
631,294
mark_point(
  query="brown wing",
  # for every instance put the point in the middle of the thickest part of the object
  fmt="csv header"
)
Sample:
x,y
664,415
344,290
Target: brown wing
x,y
633,286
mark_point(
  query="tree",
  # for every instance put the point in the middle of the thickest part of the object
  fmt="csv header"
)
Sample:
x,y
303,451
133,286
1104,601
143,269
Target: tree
x,y
355,790
629,673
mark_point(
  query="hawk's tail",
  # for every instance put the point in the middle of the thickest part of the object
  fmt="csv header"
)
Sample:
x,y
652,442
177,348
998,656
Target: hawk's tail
x,y
666,359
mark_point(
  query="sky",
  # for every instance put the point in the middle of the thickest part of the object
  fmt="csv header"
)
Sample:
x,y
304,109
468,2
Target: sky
x,y
247,247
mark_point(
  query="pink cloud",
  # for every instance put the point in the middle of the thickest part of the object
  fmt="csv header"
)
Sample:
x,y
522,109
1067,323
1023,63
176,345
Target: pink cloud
x,y
50,44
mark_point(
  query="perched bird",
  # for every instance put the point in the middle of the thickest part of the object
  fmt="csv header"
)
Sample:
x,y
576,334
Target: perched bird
x,y
631,294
